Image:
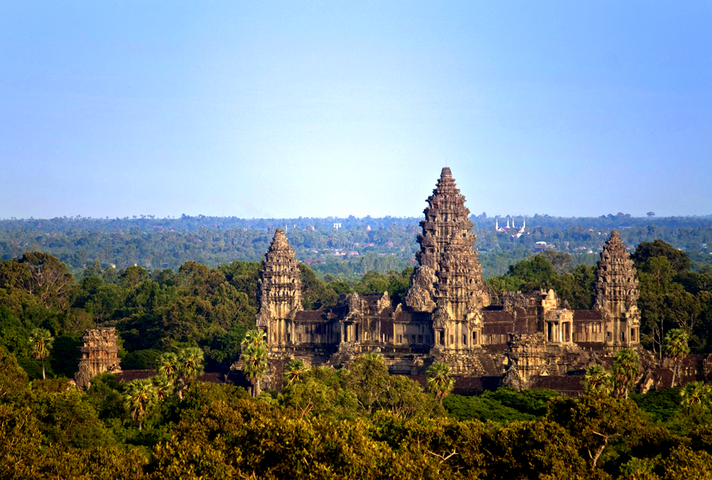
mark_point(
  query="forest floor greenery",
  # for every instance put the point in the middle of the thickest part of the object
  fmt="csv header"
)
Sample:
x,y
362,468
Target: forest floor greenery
x,y
356,422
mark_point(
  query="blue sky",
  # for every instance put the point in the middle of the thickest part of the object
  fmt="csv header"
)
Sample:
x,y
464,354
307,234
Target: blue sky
x,y
287,109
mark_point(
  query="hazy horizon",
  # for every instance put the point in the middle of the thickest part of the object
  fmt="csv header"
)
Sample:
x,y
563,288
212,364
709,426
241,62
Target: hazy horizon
x,y
516,217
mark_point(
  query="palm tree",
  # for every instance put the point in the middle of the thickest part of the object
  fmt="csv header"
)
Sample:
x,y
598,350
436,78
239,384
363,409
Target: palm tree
x,y
626,368
190,366
139,398
696,397
254,358
676,348
597,381
41,342
439,381
181,368
168,365
164,386
295,371
254,337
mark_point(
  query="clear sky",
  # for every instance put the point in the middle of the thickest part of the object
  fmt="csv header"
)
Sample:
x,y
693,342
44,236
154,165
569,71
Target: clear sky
x,y
287,109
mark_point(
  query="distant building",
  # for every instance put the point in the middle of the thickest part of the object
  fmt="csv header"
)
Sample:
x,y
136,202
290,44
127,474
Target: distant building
x,y
512,230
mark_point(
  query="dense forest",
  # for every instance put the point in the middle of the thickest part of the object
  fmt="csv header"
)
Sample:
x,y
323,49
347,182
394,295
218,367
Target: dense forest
x,y
357,422
358,246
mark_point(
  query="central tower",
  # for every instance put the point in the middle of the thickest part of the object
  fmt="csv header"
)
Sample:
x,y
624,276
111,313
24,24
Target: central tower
x,y
445,217
448,281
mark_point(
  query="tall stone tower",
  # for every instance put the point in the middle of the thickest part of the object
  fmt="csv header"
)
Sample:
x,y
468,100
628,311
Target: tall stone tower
x,y
279,292
617,294
448,281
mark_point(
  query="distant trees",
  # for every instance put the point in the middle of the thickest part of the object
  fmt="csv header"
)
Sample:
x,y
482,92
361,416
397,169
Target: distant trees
x,y
574,285
169,243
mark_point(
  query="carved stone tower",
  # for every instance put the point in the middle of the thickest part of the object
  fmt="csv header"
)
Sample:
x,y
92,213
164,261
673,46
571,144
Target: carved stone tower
x,y
99,355
279,292
617,294
448,281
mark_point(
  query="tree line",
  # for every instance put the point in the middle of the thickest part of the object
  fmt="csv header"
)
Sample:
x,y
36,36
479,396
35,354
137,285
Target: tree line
x,y
382,244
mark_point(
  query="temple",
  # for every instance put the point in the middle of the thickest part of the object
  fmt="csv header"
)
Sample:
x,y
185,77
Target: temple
x,y
447,314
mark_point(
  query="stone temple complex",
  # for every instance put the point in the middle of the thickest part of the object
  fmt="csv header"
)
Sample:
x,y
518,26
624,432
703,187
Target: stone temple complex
x,y
447,314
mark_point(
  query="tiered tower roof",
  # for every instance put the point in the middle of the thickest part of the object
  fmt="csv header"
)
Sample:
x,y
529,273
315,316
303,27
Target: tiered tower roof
x,y
460,290
280,288
445,216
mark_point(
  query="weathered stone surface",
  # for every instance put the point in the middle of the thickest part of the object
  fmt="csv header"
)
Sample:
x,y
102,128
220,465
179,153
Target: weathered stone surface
x,y
99,355
421,294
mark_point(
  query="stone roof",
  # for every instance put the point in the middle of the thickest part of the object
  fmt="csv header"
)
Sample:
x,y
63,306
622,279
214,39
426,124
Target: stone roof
x,y
498,328
583,315
311,316
497,316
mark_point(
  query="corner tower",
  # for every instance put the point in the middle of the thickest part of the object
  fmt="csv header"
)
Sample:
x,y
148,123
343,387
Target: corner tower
x,y
279,292
617,294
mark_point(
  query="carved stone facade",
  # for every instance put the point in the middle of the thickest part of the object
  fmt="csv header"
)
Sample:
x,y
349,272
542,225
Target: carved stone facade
x,y
99,355
446,314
